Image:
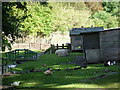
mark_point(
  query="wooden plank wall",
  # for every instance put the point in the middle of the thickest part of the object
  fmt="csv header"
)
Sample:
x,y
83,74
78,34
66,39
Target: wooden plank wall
x,y
119,45
109,45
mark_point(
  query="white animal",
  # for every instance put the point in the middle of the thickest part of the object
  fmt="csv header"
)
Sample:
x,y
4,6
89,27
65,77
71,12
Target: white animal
x,y
15,83
47,72
109,63
11,66
61,52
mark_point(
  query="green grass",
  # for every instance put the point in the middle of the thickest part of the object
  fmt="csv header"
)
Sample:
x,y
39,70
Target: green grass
x,y
63,79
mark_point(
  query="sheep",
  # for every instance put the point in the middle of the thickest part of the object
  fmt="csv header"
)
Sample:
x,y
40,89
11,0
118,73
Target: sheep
x,y
14,84
61,52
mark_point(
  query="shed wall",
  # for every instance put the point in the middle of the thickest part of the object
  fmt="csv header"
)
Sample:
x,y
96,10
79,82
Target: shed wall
x,y
92,55
91,46
119,45
91,41
109,45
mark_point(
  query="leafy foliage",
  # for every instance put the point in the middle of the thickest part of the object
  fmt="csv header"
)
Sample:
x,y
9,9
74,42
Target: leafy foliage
x,y
43,18
94,6
38,21
11,17
105,19
5,43
112,7
11,20
69,15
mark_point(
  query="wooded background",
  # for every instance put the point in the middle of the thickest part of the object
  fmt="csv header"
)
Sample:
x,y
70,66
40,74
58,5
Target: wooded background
x,y
41,19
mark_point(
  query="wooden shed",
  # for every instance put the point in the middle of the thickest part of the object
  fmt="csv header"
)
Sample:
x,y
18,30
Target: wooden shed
x,y
76,37
101,46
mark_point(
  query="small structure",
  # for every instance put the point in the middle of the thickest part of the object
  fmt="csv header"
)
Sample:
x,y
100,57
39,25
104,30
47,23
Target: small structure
x,y
76,37
21,55
100,46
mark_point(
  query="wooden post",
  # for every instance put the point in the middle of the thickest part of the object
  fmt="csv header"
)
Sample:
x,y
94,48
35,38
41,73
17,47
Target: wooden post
x,y
57,46
40,46
15,55
2,68
51,49
29,45
6,55
62,46
10,55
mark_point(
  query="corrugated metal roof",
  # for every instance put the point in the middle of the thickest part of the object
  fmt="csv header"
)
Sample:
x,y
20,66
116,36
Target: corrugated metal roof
x,y
77,31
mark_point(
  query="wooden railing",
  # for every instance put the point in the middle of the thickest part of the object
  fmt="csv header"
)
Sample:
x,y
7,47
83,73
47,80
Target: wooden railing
x,y
54,48
36,46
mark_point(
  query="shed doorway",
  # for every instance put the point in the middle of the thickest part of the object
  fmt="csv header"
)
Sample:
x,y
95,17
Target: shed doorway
x,y
91,46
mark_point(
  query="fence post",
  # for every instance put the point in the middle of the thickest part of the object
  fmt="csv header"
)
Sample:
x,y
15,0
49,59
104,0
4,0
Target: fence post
x,y
62,46
51,49
40,46
2,68
29,45
57,46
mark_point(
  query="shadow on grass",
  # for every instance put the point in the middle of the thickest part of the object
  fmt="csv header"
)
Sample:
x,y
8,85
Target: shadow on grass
x,y
64,79
67,79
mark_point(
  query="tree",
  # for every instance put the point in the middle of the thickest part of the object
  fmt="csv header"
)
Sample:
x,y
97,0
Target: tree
x,y
112,7
38,21
69,15
94,6
11,20
106,19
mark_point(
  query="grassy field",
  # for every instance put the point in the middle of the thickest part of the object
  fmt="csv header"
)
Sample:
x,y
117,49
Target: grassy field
x,y
94,76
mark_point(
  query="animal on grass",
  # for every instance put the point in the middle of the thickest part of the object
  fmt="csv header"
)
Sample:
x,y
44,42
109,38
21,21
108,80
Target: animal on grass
x,y
15,84
113,62
108,63
44,65
11,66
61,52
48,71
